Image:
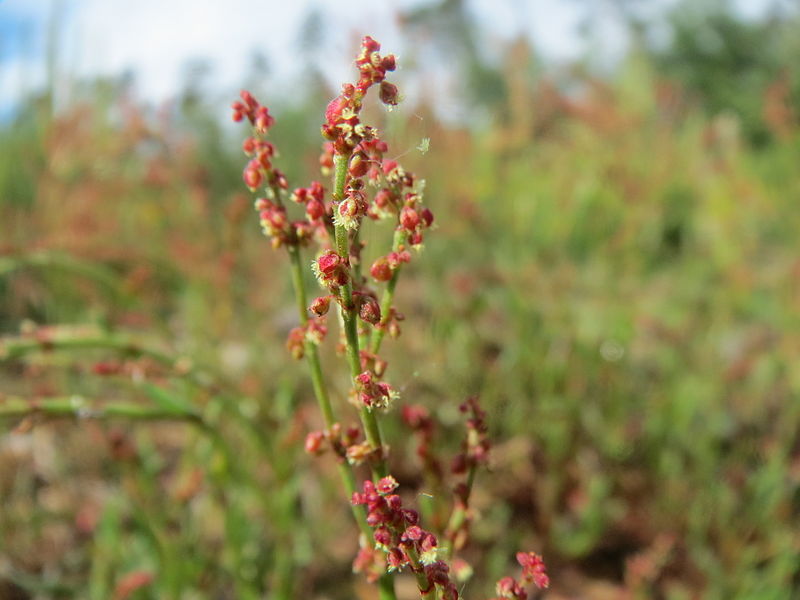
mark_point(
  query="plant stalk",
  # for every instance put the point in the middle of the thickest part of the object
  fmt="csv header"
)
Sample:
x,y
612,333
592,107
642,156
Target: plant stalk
x,y
350,321
369,421
320,390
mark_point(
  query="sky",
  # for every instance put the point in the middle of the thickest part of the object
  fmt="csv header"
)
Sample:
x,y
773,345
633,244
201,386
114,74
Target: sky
x,y
155,39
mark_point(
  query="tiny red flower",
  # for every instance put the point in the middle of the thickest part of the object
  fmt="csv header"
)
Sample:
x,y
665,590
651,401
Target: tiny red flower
x,y
380,269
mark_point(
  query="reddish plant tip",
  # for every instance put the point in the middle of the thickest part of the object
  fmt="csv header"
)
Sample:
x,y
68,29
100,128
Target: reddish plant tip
x,y
369,44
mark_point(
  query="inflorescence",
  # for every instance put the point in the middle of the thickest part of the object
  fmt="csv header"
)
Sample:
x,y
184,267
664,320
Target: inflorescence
x,y
366,184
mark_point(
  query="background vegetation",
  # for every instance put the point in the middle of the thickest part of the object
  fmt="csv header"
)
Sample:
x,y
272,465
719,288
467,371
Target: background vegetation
x,y
616,274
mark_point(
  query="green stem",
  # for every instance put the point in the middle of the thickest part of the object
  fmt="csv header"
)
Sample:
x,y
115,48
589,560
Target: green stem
x,y
14,348
426,588
369,422
321,391
350,320
79,407
312,354
388,298
458,516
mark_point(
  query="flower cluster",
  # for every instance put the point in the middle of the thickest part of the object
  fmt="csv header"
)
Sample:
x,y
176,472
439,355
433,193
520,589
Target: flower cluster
x,y
335,438
330,270
533,571
313,331
313,198
332,274
414,218
260,166
419,419
345,444
397,533
260,171
342,124
353,207
385,267
476,445
367,184
373,393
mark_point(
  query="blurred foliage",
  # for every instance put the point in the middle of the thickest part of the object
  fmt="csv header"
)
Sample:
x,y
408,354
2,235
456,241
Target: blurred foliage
x,y
729,62
615,273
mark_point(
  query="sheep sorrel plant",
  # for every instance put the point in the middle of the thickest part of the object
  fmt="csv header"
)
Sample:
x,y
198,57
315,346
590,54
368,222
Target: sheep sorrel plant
x,y
367,186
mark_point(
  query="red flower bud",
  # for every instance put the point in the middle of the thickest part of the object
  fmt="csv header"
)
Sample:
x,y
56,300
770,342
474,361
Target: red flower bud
x,y
315,209
295,343
380,269
386,485
249,100
413,534
507,587
388,63
395,259
314,441
415,238
263,120
280,179
252,176
239,111
383,536
370,311
409,219
383,198
249,145
396,558
358,165
320,305
368,44
333,112
533,569
328,262
389,166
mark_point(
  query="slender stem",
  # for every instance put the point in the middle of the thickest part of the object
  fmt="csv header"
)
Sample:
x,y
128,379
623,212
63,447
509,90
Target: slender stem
x,y
369,422
357,266
79,407
459,515
426,588
13,348
388,298
386,588
17,347
350,321
312,354
321,391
